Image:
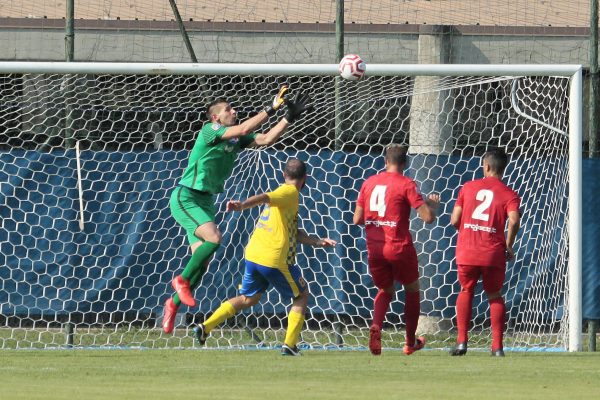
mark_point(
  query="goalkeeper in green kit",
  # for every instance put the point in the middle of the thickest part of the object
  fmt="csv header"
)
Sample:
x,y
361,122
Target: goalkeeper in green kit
x,y
210,164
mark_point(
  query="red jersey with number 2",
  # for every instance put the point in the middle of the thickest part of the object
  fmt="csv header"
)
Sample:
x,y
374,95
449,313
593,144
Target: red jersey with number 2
x,y
386,199
485,206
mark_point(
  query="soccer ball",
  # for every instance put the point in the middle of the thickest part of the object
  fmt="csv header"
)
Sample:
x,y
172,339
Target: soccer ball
x,y
352,67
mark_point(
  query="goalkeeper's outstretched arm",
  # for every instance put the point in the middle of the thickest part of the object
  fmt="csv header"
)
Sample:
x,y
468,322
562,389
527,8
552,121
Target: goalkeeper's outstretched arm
x,y
267,139
245,127
295,109
251,124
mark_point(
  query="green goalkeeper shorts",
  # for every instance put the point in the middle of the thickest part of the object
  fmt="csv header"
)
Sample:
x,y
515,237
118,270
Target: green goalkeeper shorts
x,y
192,208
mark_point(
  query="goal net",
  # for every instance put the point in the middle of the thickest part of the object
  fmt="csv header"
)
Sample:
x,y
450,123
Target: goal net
x,y
101,277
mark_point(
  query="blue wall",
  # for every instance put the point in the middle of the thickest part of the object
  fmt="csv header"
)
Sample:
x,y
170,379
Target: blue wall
x,y
131,246
591,239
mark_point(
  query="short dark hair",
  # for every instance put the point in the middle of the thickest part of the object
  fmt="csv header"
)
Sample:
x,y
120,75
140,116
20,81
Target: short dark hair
x,y
497,159
210,107
295,169
396,154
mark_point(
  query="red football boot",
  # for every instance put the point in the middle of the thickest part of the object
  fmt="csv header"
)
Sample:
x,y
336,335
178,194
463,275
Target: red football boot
x,y
375,340
169,314
420,343
182,287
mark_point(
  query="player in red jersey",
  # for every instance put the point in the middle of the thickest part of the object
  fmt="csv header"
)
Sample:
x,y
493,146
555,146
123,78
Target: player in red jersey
x,y
383,206
480,215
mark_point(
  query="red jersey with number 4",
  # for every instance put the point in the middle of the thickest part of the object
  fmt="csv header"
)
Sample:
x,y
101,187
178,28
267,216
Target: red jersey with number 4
x,y
485,206
386,199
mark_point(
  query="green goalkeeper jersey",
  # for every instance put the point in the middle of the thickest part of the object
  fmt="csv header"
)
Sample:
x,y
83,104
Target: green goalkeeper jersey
x,y
212,159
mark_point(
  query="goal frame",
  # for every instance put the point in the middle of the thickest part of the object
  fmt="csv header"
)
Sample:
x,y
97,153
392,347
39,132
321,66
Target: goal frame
x,y
575,133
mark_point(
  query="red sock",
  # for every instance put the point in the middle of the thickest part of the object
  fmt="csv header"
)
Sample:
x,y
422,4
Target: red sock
x,y
412,310
497,311
463,315
380,305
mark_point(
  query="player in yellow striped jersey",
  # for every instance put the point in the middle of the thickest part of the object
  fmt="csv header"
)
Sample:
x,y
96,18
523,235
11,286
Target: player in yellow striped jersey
x,y
271,255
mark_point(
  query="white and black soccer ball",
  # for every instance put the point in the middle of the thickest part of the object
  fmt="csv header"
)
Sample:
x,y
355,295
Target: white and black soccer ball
x,y
352,67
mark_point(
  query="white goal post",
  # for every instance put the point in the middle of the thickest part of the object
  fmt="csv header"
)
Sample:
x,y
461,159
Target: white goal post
x,y
100,106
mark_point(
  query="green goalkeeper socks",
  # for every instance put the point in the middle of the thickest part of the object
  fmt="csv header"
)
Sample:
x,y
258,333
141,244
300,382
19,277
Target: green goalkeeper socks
x,y
196,263
196,267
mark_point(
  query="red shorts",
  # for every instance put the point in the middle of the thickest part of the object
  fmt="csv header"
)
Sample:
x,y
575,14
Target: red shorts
x,y
403,268
493,277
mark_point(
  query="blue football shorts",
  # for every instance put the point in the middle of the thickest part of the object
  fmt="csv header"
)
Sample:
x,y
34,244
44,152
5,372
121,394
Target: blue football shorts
x,y
258,278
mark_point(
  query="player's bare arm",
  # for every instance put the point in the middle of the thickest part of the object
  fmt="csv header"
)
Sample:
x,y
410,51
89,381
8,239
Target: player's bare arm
x,y
304,238
236,205
295,109
246,127
267,139
427,211
359,216
455,217
251,124
514,223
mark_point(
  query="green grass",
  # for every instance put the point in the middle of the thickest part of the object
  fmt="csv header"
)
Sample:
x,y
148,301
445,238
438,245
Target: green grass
x,y
265,375
135,337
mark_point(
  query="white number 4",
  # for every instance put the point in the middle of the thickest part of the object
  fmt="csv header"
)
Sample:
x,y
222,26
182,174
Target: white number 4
x,y
485,196
377,201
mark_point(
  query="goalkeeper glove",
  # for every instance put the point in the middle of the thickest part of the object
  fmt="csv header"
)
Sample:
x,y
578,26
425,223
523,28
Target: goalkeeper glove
x,y
278,101
296,108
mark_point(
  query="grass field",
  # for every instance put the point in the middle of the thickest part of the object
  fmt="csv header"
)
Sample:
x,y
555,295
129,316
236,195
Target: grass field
x,y
265,375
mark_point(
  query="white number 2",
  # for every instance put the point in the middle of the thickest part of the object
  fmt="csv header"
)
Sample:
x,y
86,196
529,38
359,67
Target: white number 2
x,y
485,196
377,200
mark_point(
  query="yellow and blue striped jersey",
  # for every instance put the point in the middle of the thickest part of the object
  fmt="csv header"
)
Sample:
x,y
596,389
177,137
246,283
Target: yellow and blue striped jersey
x,y
273,242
